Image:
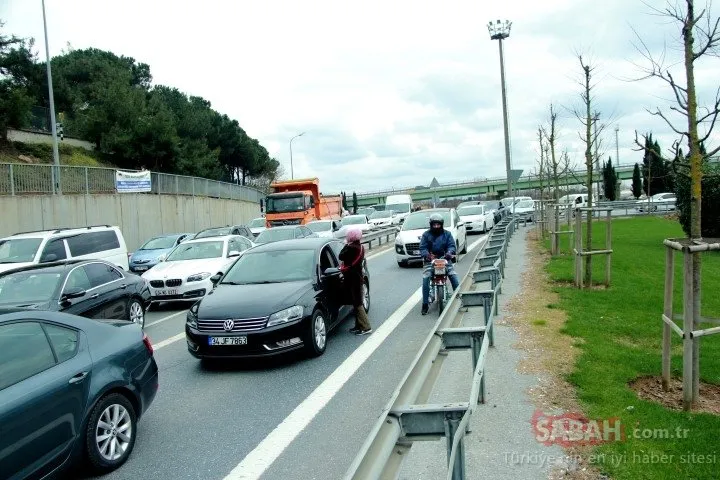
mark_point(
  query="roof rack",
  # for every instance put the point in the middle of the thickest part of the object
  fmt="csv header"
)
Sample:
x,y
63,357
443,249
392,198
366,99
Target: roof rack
x,y
61,229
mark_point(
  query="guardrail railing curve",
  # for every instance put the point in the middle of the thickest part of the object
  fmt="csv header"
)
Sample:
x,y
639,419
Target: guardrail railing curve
x,y
406,417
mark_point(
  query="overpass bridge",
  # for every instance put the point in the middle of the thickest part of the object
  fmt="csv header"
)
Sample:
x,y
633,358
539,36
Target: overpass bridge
x,y
493,186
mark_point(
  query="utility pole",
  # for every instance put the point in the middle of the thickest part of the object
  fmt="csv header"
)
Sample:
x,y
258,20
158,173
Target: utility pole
x,y
617,146
51,99
500,31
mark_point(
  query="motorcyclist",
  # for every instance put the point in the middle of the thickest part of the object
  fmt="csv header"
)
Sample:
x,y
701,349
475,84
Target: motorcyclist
x,y
436,243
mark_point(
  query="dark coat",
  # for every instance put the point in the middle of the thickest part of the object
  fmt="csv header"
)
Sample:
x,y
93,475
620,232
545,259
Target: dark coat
x,y
352,256
438,245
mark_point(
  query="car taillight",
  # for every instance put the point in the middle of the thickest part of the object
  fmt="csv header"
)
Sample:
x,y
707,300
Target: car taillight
x,y
148,344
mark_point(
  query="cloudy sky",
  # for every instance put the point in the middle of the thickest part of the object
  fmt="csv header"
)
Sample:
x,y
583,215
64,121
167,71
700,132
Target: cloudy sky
x,y
394,93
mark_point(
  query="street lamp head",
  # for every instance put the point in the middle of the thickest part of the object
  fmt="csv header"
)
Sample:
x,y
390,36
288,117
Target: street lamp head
x,y
499,29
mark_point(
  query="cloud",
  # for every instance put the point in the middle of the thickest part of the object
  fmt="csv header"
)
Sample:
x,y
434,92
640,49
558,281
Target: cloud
x,y
390,94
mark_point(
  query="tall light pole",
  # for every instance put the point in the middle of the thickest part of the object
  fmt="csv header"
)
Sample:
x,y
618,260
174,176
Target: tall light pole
x,y
292,175
51,99
500,31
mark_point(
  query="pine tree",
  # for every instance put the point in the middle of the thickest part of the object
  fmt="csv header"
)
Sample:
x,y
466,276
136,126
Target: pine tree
x,y
609,180
355,205
637,183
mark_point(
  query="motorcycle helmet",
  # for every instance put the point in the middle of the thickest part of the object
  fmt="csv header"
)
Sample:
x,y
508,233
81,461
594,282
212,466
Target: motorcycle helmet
x,y
437,218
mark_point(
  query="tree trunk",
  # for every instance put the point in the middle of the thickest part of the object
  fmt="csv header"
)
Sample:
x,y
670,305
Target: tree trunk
x,y
696,182
589,179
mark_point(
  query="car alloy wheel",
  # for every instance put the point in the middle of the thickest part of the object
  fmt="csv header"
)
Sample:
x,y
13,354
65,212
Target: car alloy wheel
x,y
320,332
111,432
136,313
366,296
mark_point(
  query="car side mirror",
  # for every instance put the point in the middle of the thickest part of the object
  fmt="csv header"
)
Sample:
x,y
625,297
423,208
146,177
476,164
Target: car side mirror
x,y
216,278
51,257
75,292
162,258
331,272
233,253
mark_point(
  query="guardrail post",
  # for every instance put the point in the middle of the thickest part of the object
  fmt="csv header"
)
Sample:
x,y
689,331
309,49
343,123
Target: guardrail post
x,y
87,181
452,422
12,181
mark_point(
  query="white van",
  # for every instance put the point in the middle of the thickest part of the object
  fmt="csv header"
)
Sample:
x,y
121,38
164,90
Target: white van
x,y
401,204
574,200
103,242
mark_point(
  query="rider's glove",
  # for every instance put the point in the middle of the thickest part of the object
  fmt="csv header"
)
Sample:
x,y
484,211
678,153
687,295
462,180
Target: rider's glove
x,y
448,256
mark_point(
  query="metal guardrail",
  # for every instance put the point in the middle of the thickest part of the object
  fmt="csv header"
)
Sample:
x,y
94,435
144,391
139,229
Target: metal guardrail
x,y
37,179
377,235
407,417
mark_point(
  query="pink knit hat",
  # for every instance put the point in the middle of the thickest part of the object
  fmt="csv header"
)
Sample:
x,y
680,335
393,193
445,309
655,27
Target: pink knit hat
x,y
353,235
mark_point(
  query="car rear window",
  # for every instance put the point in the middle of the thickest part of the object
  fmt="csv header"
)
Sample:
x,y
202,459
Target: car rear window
x,y
92,242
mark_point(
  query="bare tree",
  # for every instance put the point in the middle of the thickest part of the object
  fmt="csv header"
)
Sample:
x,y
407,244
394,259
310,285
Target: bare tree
x,y
593,131
707,31
550,134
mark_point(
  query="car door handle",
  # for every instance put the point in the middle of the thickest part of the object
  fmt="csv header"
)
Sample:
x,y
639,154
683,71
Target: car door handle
x,y
79,377
94,296
123,285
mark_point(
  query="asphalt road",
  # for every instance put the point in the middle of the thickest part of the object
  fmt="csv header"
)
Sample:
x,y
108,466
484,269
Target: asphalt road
x,y
285,418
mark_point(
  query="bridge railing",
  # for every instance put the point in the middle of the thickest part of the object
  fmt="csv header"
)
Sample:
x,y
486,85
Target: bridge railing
x,y
37,179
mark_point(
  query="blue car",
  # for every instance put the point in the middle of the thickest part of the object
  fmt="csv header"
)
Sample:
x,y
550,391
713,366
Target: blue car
x,y
149,254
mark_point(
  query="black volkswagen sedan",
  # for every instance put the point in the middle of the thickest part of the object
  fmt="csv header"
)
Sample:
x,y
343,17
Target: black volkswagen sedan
x,y
71,388
89,288
277,297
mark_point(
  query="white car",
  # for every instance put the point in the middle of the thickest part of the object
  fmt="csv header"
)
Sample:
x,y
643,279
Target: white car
x,y
525,209
477,218
659,201
384,218
100,242
257,226
407,242
353,222
185,274
324,228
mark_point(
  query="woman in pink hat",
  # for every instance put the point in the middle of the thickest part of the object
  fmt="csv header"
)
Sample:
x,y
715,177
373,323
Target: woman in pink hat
x,y
352,256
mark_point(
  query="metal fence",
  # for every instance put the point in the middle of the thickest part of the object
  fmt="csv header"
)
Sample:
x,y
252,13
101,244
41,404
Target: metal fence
x,y
26,179
408,417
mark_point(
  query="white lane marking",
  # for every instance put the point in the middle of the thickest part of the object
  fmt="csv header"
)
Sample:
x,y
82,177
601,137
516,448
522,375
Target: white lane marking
x,y
165,343
165,318
267,451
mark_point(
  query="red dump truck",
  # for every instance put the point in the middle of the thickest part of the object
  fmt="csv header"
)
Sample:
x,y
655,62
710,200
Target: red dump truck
x,y
297,202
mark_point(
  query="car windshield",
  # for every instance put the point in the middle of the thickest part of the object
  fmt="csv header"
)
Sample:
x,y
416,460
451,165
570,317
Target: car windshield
x,y
214,232
385,214
286,204
258,222
491,205
399,207
526,204
319,226
473,210
196,251
159,243
275,235
28,287
272,267
421,220
366,211
354,220
15,250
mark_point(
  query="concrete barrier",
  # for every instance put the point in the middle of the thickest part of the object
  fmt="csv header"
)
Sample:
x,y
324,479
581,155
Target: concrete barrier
x,y
139,216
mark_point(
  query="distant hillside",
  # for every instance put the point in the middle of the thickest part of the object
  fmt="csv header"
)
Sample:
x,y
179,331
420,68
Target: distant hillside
x,y
38,153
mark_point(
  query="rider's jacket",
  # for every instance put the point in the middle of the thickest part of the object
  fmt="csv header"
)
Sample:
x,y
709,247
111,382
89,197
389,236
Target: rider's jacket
x,y
438,245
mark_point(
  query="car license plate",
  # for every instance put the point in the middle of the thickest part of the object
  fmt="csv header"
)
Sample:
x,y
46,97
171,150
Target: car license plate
x,y
416,252
166,293
141,269
227,341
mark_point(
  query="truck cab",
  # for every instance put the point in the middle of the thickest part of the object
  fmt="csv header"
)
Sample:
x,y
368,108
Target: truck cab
x,y
298,202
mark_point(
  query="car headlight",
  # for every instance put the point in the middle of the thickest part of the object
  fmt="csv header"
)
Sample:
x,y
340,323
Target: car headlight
x,y
287,315
198,277
191,318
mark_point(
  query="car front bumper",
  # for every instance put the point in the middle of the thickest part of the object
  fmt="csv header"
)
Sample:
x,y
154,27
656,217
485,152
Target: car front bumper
x,y
190,292
259,343
406,253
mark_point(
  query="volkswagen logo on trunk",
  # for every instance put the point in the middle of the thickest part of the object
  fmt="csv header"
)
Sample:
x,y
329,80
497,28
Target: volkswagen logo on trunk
x,y
228,325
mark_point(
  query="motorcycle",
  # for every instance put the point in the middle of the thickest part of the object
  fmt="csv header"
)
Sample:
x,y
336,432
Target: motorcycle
x,y
439,287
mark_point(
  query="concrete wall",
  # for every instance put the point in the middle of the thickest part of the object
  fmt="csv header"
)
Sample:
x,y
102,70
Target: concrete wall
x,y
27,136
139,216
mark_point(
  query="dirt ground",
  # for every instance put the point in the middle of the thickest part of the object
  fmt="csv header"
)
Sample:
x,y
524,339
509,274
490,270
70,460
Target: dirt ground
x,y
551,355
650,389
